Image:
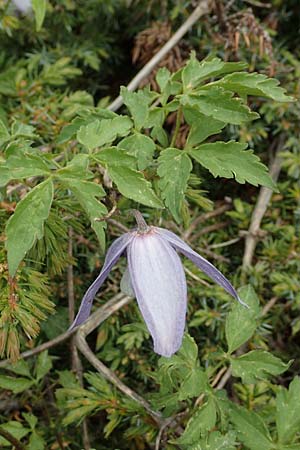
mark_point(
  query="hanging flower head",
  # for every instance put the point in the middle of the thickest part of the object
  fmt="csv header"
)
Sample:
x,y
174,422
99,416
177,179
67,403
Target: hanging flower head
x,y
155,276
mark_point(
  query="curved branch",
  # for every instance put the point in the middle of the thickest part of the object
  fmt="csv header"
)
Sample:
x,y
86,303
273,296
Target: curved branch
x,y
203,8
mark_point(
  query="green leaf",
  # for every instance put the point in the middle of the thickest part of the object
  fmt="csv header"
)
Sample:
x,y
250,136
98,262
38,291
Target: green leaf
x,y
100,132
78,414
201,126
43,365
203,420
16,429
138,105
26,225
21,367
114,156
254,84
76,168
174,167
39,8
36,442
162,77
250,428
31,419
19,129
133,185
193,385
195,72
22,166
86,193
216,441
288,411
141,146
257,364
229,159
236,334
214,101
16,385
4,134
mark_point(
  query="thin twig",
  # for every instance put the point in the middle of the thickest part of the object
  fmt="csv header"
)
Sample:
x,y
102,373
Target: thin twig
x,y
40,348
205,230
259,211
98,318
10,438
62,337
269,305
224,379
209,215
203,8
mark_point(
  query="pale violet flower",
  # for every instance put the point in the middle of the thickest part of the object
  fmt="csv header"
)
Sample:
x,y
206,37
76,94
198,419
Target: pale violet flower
x,y
23,6
155,276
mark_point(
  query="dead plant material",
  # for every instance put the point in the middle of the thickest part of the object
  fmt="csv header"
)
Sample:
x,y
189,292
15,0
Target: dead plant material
x,y
243,28
149,41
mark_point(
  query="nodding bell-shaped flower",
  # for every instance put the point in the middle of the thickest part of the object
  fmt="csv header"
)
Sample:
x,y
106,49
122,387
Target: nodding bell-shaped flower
x,y
155,276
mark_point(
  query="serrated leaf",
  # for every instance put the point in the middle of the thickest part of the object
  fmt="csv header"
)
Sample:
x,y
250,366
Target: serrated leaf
x,y
201,126
21,129
250,428
193,385
69,131
201,422
26,225
255,84
16,385
230,159
133,185
174,167
43,365
16,429
162,77
236,335
100,132
21,367
86,193
113,156
76,168
288,411
22,166
216,441
30,419
214,101
257,364
4,134
140,146
39,8
195,71
138,105
36,442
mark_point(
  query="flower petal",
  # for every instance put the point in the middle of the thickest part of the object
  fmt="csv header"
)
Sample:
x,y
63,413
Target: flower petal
x,y
200,262
158,280
112,256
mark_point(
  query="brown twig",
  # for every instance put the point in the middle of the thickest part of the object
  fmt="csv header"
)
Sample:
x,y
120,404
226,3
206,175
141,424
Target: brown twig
x,y
10,438
203,8
209,229
217,212
259,211
99,317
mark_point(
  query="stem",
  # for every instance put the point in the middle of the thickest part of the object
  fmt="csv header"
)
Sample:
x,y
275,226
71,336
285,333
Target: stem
x,y
141,223
177,126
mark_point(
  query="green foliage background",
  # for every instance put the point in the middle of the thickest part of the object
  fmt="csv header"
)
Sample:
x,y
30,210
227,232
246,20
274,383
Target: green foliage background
x,y
59,69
